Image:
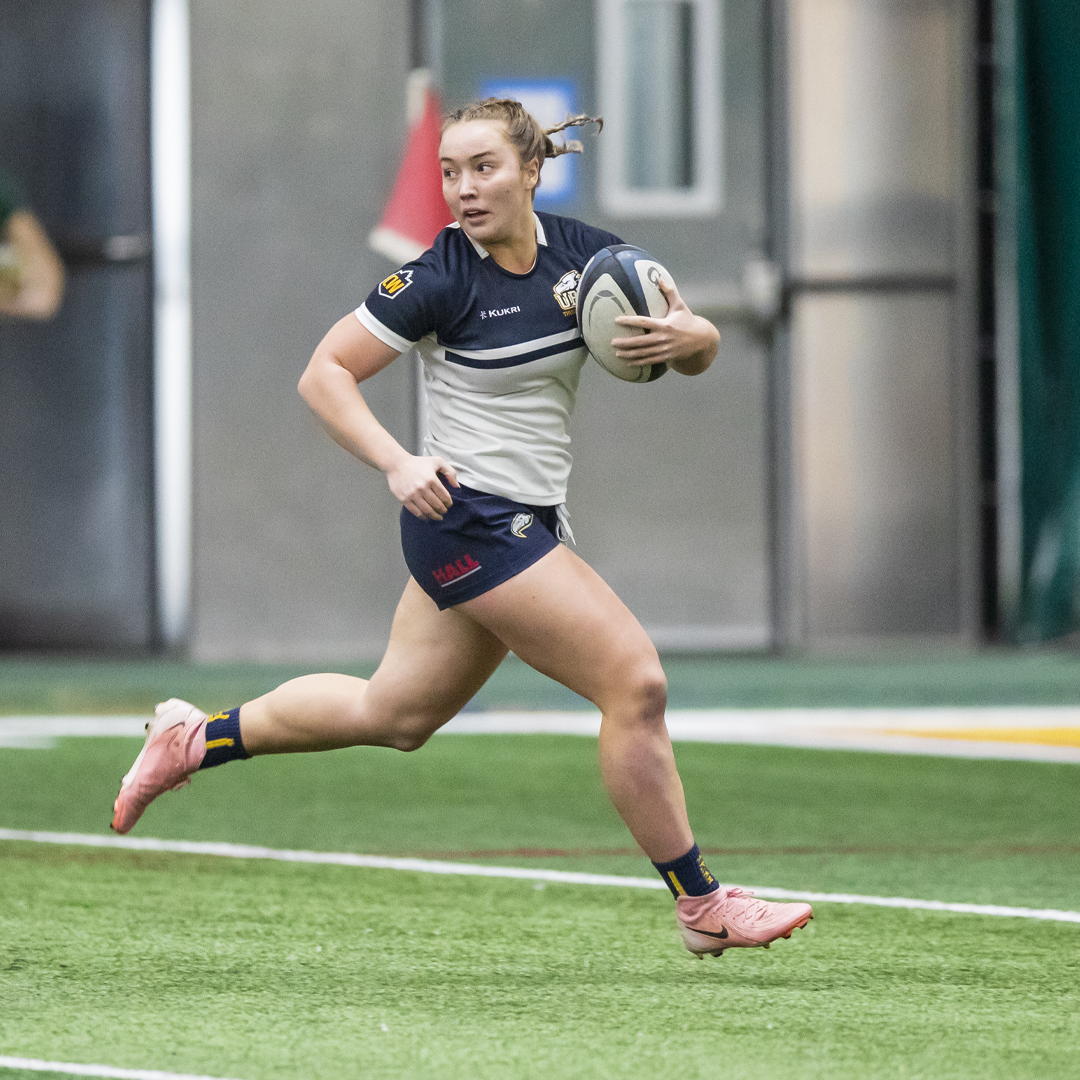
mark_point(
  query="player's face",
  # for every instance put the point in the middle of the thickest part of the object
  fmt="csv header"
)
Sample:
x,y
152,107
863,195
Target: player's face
x,y
485,185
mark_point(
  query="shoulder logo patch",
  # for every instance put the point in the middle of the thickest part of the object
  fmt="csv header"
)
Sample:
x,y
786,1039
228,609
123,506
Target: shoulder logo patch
x,y
565,291
395,283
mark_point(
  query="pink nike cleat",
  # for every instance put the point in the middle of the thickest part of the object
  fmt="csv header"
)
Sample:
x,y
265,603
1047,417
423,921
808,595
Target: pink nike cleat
x,y
735,919
174,748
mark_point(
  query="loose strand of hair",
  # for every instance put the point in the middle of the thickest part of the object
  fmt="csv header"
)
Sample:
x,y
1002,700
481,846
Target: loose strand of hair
x,y
569,146
577,121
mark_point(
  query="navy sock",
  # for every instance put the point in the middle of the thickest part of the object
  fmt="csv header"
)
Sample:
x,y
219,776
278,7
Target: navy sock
x,y
223,741
687,876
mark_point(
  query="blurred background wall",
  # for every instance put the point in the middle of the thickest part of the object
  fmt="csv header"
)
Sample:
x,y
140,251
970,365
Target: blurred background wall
x,y
881,347
819,175
76,439
298,118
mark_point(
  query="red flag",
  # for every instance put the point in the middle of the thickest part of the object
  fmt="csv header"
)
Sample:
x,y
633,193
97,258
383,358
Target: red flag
x,y
416,210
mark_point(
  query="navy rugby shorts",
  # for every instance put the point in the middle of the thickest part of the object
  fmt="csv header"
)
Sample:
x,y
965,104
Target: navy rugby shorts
x,y
482,541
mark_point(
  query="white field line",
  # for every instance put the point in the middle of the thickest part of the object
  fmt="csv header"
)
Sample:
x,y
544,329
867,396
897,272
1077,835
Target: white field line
x,y
894,731
72,1069
565,877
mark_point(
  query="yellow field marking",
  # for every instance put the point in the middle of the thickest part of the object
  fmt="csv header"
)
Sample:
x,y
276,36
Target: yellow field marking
x,y
1061,736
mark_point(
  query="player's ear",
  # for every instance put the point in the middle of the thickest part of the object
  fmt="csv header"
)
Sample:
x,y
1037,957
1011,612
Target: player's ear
x,y
531,169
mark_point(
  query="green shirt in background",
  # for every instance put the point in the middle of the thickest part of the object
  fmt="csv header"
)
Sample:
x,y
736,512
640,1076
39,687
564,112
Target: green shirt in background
x,y
11,198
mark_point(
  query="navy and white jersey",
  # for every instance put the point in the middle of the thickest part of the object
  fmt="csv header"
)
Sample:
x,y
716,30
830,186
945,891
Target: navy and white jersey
x,y
501,352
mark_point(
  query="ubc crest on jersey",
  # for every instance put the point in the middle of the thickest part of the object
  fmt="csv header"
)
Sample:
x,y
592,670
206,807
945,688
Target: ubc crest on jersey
x,y
565,290
395,283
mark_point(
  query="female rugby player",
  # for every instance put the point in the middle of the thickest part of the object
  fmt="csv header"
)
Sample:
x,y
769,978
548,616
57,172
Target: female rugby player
x,y
483,519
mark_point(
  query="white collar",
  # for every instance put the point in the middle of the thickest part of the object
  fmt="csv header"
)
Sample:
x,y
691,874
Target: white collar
x,y
541,237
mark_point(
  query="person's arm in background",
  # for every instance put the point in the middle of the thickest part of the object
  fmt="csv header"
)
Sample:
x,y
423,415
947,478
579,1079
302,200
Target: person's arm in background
x,y
31,272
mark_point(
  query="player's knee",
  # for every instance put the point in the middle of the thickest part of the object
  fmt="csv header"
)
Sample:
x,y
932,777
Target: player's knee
x,y
409,733
653,688
646,692
408,739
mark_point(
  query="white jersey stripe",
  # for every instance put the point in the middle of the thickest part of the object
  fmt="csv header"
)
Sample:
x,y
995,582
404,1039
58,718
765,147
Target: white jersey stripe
x,y
519,349
568,337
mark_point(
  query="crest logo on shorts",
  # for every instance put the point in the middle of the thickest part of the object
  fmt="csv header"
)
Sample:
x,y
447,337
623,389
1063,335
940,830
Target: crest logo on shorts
x,y
395,283
565,291
520,523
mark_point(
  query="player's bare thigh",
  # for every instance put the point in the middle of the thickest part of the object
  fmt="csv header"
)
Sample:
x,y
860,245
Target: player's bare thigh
x,y
435,661
562,618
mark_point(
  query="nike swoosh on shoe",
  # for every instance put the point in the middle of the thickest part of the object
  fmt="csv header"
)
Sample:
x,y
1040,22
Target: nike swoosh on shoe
x,y
709,933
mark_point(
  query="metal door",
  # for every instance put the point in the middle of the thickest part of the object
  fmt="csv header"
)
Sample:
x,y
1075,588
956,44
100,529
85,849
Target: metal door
x,y
76,551
670,493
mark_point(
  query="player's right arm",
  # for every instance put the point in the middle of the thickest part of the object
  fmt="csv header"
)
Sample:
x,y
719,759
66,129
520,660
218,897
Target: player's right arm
x,y
346,356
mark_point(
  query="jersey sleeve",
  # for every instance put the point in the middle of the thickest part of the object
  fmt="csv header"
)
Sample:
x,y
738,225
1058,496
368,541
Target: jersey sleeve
x,y
406,305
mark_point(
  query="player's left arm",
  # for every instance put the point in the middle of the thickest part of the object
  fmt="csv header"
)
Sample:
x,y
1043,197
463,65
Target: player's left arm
x,y
686,342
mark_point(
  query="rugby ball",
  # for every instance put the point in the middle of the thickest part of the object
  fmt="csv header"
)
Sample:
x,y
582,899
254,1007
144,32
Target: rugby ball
x,y
619,280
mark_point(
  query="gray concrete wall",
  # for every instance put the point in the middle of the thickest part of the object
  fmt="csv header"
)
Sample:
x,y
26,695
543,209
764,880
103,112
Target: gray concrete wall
x,y
298,122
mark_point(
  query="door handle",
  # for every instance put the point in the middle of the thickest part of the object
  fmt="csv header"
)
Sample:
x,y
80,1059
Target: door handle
x,y
100,250
756,298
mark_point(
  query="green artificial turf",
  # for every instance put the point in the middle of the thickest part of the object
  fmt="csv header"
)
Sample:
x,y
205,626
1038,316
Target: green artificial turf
x,y
259,971
949,829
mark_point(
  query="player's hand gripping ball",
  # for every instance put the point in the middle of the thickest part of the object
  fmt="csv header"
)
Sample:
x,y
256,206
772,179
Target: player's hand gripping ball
x,y
620,280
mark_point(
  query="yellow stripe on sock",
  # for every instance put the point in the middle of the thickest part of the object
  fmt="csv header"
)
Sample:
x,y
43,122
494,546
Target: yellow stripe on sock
x,y
213,744
217,716
676,882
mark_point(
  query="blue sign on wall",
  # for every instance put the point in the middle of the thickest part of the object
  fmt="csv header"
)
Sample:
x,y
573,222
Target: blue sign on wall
x,y
551,101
